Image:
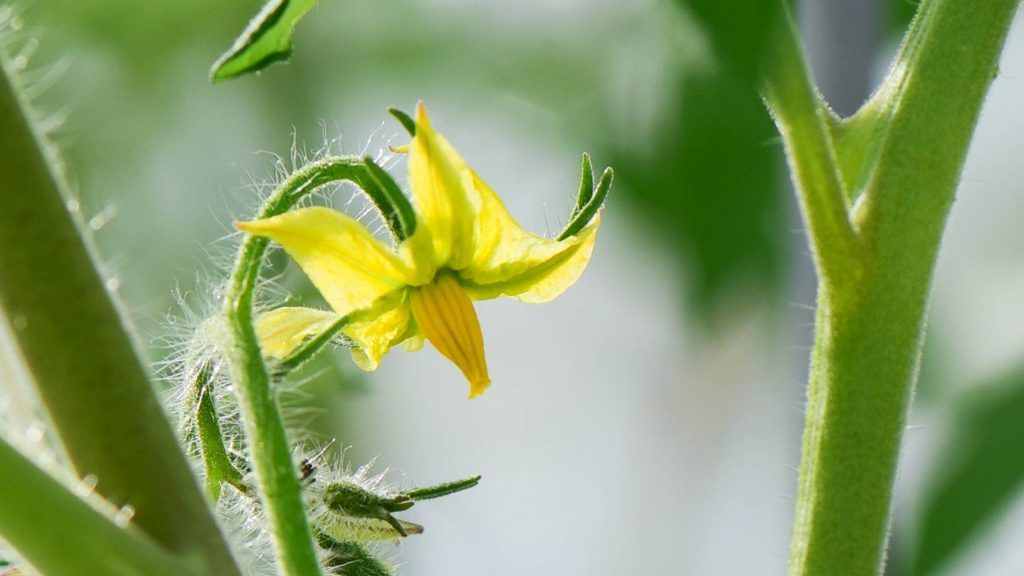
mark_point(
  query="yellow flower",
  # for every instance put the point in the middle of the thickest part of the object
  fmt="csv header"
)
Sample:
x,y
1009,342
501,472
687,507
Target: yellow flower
x,y
464,246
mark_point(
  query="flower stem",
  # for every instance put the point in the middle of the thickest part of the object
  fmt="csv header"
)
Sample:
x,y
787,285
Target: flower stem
x,y
870,325
77,347
279,486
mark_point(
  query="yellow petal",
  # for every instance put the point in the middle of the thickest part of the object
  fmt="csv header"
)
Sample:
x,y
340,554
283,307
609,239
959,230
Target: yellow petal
x,y
473,233
282,330
439,177
508,261
350,267
446,316
381,330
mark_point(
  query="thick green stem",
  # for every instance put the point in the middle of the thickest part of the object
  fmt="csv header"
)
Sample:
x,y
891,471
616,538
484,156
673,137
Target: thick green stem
x,y
62,535
74,341
869,331
279,486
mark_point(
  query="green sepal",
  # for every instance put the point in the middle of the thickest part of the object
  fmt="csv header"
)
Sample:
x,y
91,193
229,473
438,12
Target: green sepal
x,y
351,557
361,529
586,210
586,185
444,489
309,348
389,199
266,39
216,460
358,512
404,119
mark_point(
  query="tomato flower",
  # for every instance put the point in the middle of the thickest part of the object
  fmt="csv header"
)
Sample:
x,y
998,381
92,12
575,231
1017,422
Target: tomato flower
x,y
464,247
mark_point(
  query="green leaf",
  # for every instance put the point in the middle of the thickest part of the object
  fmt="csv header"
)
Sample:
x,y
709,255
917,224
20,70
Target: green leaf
x,y
709,187
739,30
267,39
978,474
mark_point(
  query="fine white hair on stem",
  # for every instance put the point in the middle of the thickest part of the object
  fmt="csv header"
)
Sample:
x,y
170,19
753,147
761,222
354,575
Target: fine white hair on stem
x,y
195,341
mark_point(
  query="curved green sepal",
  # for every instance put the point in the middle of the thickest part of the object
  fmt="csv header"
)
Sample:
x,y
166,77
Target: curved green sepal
x,y
404,119
267,39
586,185
389,199
309,348
352,558
586,210
442,489
360,513
202,422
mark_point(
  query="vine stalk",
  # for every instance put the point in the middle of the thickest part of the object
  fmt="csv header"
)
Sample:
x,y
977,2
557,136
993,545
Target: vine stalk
x,y
902,166
278,485
85,367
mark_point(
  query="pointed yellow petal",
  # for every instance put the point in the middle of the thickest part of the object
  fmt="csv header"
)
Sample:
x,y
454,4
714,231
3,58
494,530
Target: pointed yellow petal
x,y
446,316
439,177
350,267
376,335
282,330
415,342
508,261
473,233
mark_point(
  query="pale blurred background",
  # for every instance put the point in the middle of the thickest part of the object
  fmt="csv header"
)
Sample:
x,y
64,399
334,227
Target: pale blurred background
x,y
649,420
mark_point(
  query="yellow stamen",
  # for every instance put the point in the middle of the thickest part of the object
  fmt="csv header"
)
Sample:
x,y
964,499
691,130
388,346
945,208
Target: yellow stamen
x,y
445,314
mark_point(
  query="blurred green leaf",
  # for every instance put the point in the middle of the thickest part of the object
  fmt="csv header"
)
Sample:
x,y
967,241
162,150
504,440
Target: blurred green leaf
x,y
978,474
711,188
267,39
739,30
899,15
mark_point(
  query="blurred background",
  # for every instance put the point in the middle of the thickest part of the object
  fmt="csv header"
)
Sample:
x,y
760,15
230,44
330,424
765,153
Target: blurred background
x,y
649,420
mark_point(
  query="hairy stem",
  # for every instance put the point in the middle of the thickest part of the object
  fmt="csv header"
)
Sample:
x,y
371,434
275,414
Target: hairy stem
x,y
85,365
66,536
802,117
869,330
279,486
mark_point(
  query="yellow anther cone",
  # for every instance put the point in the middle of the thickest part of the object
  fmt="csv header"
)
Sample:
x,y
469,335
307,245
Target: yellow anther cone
x,y
446,316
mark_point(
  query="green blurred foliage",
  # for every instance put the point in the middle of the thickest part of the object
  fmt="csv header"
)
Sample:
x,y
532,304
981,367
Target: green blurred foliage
x,y
740,31
710,180
978,472
712,185
900,13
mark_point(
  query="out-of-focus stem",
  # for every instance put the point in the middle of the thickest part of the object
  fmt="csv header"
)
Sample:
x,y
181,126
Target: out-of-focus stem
x,y
76,345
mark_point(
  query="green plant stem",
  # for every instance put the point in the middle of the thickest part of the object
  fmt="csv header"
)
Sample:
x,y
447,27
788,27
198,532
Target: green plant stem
x,y
869,330
86,369
279,486
62,535
802,117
